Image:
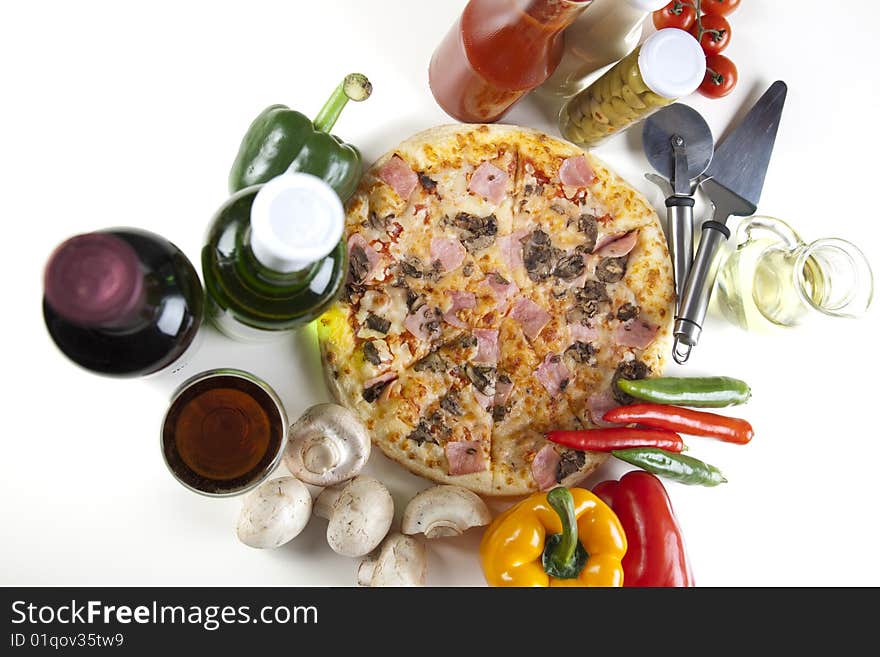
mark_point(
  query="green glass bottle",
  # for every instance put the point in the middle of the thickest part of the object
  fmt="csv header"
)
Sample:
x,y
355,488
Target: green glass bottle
x,y
274,259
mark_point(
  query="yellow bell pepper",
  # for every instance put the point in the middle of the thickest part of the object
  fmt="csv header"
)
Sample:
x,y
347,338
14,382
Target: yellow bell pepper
x,y
567,537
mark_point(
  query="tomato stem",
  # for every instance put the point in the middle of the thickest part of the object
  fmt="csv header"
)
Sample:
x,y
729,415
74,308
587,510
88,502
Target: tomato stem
x,y
700,29
697,8
695,4
716,35
717,78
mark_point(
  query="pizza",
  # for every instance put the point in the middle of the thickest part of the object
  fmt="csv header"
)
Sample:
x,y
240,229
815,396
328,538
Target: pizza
x,y
500,282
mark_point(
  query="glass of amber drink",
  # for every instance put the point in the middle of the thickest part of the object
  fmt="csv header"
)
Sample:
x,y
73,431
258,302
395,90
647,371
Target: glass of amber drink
x,y
224,432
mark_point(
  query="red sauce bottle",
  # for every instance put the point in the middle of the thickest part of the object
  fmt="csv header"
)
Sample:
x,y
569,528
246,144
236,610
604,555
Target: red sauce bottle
x,y
496,52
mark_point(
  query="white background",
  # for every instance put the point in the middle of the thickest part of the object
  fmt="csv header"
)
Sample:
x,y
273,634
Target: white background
x,y
127,113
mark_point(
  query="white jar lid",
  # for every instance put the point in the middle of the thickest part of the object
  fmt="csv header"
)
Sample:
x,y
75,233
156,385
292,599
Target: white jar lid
x,y
648,5
296,219
672,63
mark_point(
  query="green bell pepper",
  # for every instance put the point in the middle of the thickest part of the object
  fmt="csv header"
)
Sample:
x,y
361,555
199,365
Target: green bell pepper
x,y
281,139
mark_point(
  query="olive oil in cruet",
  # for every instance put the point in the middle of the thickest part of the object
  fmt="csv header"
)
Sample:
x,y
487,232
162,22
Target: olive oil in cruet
x,y
776,280
274,258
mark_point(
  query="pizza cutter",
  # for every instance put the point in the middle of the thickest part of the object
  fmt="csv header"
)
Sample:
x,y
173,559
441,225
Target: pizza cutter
x,y
678,144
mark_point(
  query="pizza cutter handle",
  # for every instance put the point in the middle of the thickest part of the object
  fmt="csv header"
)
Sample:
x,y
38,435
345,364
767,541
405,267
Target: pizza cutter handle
x,y
680,238
695,300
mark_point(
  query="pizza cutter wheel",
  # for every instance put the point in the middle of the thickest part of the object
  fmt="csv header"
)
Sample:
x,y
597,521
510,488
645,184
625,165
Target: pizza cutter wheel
x,y
678,143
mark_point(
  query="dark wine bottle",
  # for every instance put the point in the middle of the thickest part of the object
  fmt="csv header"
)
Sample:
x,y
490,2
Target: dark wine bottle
x,y
274,258
122,302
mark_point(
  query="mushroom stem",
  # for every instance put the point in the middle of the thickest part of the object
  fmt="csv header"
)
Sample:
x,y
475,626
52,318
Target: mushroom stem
x,y
442,528
321,455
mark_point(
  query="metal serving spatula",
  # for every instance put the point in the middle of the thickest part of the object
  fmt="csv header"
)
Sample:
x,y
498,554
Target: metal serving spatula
x,y
678,143
734,182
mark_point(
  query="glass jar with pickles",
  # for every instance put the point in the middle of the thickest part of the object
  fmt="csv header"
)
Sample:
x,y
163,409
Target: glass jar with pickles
x,y
669,65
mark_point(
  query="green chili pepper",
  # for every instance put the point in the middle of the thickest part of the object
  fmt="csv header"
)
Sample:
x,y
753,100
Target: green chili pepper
x,y
678,467
564,555
702,392
281,139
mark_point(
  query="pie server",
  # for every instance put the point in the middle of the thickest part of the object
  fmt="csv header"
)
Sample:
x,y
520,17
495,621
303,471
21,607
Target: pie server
x,y
678,144
733,182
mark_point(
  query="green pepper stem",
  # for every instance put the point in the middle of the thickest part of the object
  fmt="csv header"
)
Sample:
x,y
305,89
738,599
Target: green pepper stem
x,y
354,87
563,555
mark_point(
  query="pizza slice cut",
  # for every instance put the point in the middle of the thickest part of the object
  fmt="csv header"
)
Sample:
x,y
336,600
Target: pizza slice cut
x,y
523,412
436,416
583,204
581,333
403,298
619,325
413,281
576,235
371,339
457,432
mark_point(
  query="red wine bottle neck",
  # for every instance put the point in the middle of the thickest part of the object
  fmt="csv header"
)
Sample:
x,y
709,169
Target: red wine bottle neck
x,y
96,280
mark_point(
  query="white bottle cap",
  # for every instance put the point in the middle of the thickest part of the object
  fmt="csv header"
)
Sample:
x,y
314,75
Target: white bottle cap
x,y
648,5
672,63
296,219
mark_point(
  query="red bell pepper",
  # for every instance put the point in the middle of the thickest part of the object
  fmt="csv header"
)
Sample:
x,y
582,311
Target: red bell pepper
x,y
656,553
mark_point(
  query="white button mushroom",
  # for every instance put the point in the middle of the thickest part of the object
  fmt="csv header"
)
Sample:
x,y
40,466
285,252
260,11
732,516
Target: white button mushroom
x,y
401,561
444,511
327,445
360,514
274,513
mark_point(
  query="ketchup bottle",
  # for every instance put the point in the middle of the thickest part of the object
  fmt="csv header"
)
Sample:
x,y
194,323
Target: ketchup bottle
x,y
496,52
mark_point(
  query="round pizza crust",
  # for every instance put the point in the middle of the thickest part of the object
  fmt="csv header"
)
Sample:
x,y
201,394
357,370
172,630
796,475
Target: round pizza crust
x,y
461,148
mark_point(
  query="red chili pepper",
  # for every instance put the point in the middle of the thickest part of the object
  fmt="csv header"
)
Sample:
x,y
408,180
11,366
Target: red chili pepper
x,y
607,440
656,554
684,420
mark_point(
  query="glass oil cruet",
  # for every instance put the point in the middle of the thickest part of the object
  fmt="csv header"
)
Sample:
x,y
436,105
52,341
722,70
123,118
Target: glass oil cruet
x,y
775,279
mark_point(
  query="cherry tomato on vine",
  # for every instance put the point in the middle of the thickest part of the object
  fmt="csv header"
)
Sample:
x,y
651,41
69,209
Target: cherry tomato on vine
x,y
715,34
721,77
678,13
719,7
